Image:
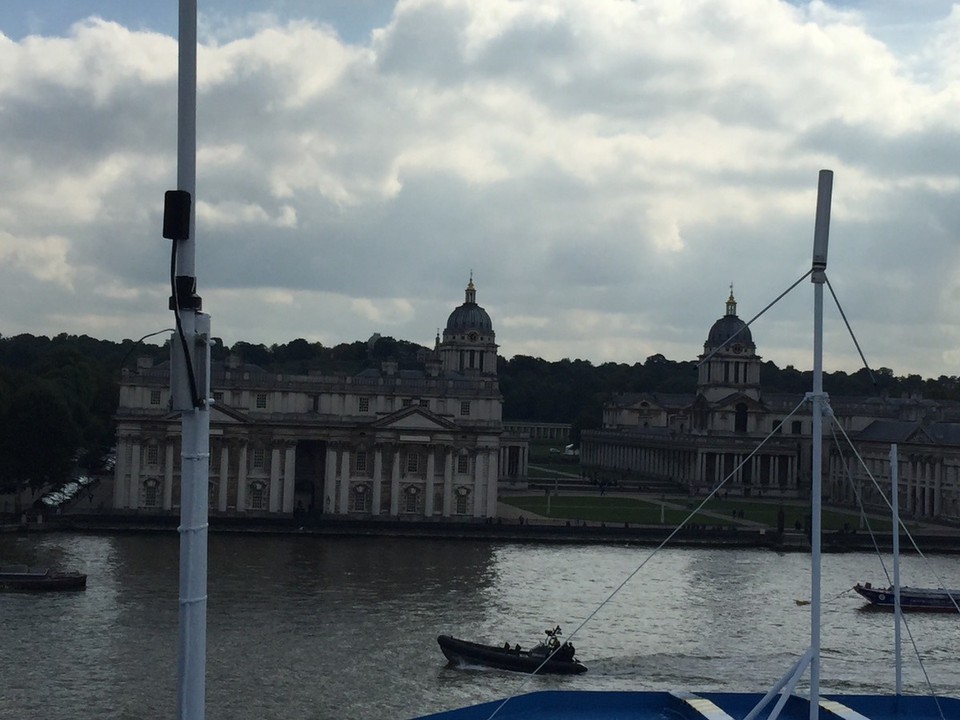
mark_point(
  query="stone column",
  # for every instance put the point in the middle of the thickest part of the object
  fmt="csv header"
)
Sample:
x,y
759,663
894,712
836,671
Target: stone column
x,y
133,495
242,479
224,475
377,498
491,483
168,478
120,484
448,481
395,482
274,480
289,475
330,479
428,491
344,481
478,485
937,487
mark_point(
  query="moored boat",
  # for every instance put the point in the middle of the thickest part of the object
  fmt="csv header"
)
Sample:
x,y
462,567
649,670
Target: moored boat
x,y
548,657
21,577
911,598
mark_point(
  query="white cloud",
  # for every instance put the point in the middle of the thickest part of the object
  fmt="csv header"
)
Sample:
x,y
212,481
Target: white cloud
x,y
606,168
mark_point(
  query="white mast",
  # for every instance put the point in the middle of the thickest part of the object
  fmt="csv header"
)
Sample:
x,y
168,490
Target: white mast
x,y
895,504
818,277
189,382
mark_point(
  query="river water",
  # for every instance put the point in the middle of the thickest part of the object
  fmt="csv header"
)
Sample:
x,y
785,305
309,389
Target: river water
x,y
309,627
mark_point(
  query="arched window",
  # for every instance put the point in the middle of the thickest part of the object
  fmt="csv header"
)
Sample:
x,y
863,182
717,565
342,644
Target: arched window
x,y
151,493
411,500
462,495
361,496
258,496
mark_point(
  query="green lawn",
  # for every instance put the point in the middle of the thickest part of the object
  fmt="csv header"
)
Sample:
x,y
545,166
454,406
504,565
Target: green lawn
x,y
647,511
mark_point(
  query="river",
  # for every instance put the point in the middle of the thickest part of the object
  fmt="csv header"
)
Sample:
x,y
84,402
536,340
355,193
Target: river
x,y
310,627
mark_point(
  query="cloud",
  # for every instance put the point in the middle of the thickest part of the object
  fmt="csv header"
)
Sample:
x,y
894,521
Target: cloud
x,y
605,168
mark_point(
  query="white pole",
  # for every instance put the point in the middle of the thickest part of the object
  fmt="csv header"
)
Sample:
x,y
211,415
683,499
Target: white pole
x,y
821,236
195,417
895,504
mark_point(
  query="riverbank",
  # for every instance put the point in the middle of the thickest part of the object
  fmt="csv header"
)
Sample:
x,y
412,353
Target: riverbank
x,y
518,529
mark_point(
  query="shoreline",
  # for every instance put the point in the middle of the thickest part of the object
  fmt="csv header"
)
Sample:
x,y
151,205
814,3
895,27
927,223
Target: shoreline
x,y
497,530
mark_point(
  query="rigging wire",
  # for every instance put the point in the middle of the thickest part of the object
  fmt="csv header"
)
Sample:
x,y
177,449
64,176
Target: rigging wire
x,y
853,337
653,552
748,324
913,641
137,343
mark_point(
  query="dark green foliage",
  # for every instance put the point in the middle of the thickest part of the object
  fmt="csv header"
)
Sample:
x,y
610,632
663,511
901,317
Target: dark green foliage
x,y
68,386
39,438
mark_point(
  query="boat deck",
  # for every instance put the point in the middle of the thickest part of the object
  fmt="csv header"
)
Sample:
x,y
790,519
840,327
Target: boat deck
x,y
585,705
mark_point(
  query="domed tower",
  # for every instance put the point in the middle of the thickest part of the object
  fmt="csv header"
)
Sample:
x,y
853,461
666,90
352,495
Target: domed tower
x,y
734,365
468,345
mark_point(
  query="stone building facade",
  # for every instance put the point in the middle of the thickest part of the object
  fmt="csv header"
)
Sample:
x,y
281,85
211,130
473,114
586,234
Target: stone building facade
x,y
759,443
424,442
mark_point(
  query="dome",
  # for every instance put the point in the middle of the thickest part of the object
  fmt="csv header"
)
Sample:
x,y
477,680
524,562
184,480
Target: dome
x,y
728,326
469,316
725,328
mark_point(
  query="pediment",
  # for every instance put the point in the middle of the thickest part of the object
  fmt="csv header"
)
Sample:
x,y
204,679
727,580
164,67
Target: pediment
x,y
735,398
221,414
413,418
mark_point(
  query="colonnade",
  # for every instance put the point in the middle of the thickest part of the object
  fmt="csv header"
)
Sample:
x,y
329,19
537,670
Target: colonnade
x,y
929,482
686,463
270,486
390,479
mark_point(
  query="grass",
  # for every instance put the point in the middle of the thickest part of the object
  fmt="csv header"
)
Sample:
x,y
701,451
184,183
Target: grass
x,y
718,512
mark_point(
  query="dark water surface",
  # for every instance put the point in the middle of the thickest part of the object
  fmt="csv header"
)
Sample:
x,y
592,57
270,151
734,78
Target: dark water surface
x,y
304,627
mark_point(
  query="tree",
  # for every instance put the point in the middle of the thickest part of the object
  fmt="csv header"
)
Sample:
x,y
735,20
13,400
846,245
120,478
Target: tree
x,y
39,438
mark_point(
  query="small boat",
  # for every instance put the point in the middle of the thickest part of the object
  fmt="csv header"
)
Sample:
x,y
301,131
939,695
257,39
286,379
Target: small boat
x,y
21,577
546,657
911,598
782,699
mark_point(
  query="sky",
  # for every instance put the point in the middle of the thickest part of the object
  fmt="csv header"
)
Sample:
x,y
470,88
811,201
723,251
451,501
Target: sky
x,y
604,169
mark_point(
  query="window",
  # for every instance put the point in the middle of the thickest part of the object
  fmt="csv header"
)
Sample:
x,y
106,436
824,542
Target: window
x,y
154,397
258,496
151,494
424,403
411,500
465,407
218,396
211,495
361,499
261,401
364,404
259,457
153,455
463,464
361,462
462,501
407,402
438,503
796,427
413,462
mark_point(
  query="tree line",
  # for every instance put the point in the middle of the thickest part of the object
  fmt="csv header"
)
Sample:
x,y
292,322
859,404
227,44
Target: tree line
x,y
58,396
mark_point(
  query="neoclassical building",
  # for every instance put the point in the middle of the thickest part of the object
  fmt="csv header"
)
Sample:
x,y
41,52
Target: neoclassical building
x,y
697,440
391,441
